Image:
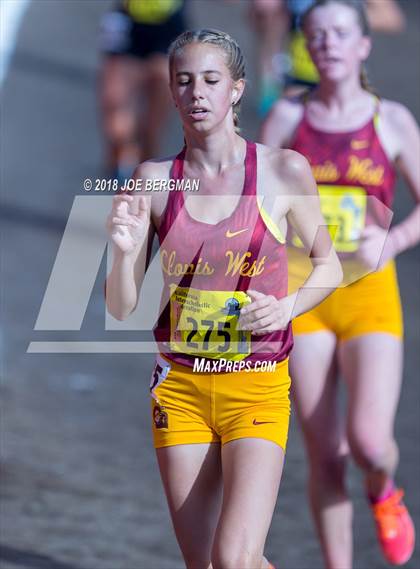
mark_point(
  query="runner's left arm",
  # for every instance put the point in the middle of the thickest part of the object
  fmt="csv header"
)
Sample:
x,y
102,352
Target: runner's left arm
x,y
265,313
307,220
407,233
377,247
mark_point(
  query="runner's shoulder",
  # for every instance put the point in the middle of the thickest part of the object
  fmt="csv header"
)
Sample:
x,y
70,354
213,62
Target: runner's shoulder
x,y
155,168
396,115
289,168
288,110
279,127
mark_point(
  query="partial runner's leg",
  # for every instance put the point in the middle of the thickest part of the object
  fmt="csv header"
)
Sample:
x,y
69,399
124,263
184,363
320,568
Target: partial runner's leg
x,y
192,478
313,370
252,469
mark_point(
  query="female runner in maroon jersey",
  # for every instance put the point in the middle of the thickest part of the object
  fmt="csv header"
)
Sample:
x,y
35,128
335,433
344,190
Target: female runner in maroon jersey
x,y
353,142
220,432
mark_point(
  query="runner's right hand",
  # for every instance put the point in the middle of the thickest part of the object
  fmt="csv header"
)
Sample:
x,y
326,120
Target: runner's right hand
x,y
128,221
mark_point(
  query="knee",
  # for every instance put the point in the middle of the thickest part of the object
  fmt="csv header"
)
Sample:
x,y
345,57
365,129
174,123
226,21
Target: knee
x,y
236,555
328,469
370,449
115,95
327,456
119,119
158,71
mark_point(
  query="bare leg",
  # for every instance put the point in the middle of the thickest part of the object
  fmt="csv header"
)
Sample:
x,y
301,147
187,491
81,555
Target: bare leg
x,y
252,471
192,478
157,106
314,389
271,22
119,87
372,366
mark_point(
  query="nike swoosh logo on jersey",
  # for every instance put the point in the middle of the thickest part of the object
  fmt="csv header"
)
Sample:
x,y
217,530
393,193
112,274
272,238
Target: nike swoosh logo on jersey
x,y
255,422
234,233
359,144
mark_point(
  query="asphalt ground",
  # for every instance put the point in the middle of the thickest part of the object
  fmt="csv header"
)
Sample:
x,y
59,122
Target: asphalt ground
x,y
79,480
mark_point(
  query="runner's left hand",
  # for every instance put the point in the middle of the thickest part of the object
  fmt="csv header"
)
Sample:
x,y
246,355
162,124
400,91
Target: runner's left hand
x,y
265,313
376,247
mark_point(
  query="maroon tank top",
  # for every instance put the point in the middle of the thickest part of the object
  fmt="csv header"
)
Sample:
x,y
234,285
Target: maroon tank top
x,y
226,258
354,159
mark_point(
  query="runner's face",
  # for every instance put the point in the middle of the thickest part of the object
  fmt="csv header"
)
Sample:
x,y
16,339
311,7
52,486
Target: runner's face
x,y
202,87
335,41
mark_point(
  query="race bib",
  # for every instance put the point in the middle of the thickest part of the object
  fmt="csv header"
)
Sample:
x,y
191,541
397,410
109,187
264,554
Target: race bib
x,y
203,323
344,210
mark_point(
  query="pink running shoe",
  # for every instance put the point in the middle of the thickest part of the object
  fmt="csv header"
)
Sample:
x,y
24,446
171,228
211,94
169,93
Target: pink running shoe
x,y
394,528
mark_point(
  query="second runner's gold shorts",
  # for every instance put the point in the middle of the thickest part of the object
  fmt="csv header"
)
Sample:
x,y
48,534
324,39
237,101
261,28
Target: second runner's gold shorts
x,y
370,305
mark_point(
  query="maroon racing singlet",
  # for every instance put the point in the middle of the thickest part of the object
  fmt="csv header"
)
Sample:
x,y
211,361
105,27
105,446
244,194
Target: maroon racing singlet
x,y
351,170
208,268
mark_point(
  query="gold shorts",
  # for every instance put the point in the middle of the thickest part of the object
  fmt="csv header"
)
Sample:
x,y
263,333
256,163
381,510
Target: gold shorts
x,y
194,407
369,305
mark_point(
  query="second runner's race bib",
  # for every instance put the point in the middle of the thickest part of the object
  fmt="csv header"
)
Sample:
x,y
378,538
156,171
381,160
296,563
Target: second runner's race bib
x,y
344,210
203,323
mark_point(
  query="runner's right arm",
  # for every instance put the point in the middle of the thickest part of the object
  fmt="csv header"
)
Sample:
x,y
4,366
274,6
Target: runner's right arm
x,y
131,231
